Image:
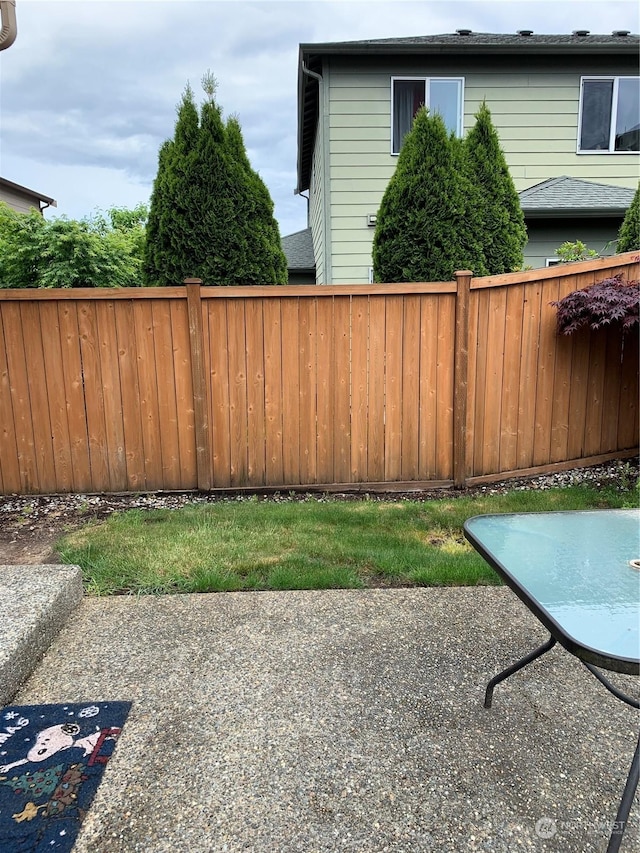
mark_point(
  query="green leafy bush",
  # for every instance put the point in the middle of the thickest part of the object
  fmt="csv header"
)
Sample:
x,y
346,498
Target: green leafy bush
x,y
103,251
569,252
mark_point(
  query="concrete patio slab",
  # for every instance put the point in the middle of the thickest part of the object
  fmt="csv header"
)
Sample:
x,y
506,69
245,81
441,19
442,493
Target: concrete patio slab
x,y
341,720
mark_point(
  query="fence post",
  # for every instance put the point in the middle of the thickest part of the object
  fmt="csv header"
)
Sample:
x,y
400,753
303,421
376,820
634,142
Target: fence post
x,y
460,377
200,385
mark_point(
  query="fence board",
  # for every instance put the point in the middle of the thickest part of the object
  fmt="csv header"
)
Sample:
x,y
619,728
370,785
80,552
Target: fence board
x,y
444,395
184,395
308,372
237,356
359,388
528,375
74,395
54,374
130,397
39,405
19,387
514,310
324,391
290,391
375,390
411,340
166,391
494,377
147,386
562,386
342,390
111,395
220,381
393,389
273,392
578,393
256,429
611,391
628,409
9,462
472,381
545,375
595,393
428,389
480,381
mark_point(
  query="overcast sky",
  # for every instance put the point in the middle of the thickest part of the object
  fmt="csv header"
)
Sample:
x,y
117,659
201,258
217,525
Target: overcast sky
x,y
89,89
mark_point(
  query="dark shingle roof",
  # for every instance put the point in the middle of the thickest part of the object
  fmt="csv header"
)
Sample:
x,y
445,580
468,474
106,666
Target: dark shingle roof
x,y
573,197
524,40
463,42
298,249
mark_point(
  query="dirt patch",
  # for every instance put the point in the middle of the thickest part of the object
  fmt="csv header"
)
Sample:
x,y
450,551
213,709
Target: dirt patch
x,y
30,526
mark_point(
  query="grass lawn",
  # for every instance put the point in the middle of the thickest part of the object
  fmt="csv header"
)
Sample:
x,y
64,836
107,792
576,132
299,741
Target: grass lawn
x,y
315,543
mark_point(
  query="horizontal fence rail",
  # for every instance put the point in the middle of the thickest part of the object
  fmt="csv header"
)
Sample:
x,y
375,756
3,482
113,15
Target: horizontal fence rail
x,y
362,386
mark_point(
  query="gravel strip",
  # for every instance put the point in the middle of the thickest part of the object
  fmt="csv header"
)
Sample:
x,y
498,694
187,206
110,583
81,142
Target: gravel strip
x,y
621,472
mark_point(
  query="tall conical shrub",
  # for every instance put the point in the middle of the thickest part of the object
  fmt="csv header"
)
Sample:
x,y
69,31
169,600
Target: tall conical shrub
x,y
211,216
423,228
503,234
629,234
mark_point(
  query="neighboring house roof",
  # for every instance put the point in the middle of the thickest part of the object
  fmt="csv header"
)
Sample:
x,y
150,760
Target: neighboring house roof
x,y
25,191
298,249
559,197
620,42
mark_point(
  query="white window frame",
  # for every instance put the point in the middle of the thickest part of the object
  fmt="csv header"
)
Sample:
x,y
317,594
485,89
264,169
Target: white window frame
x,y
552,262
426,80
614,113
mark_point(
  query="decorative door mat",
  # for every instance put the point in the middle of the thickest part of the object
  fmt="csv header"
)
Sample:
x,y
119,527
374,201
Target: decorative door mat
x,y
51,761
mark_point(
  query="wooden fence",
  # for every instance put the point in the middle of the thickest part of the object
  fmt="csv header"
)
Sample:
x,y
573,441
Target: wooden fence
x,y
322,386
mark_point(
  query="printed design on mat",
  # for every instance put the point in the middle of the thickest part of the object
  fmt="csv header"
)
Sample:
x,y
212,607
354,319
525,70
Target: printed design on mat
x,y
51,760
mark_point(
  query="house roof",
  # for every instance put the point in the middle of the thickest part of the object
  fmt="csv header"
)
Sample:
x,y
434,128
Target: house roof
x,y
298,248
18,188
580,42
564,196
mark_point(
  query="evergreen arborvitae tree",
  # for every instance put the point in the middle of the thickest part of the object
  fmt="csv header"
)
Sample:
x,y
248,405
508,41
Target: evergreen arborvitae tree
x,y
422,231
264,250
629,234
503,232
211,216
168,250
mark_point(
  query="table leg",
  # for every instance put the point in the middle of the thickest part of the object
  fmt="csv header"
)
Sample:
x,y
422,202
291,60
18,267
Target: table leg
x,y
610,687
488,696
625,804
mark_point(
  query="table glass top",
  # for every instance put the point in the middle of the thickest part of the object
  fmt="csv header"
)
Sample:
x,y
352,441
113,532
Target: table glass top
x,y
576,566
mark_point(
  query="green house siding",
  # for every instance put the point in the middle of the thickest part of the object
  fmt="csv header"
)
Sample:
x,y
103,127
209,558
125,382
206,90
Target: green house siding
x,y
317,209
545,238
535,114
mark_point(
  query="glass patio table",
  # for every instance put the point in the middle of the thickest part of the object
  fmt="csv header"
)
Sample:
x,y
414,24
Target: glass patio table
x,y
579,574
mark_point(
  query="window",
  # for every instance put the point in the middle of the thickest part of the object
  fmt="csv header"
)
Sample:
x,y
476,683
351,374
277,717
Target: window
x,y
441,95
552,262
609,114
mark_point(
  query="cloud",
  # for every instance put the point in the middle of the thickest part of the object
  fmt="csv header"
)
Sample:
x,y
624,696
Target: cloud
x,y
90,89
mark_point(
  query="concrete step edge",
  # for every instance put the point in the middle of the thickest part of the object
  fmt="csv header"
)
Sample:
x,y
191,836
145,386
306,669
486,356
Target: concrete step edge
x,y
35,604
